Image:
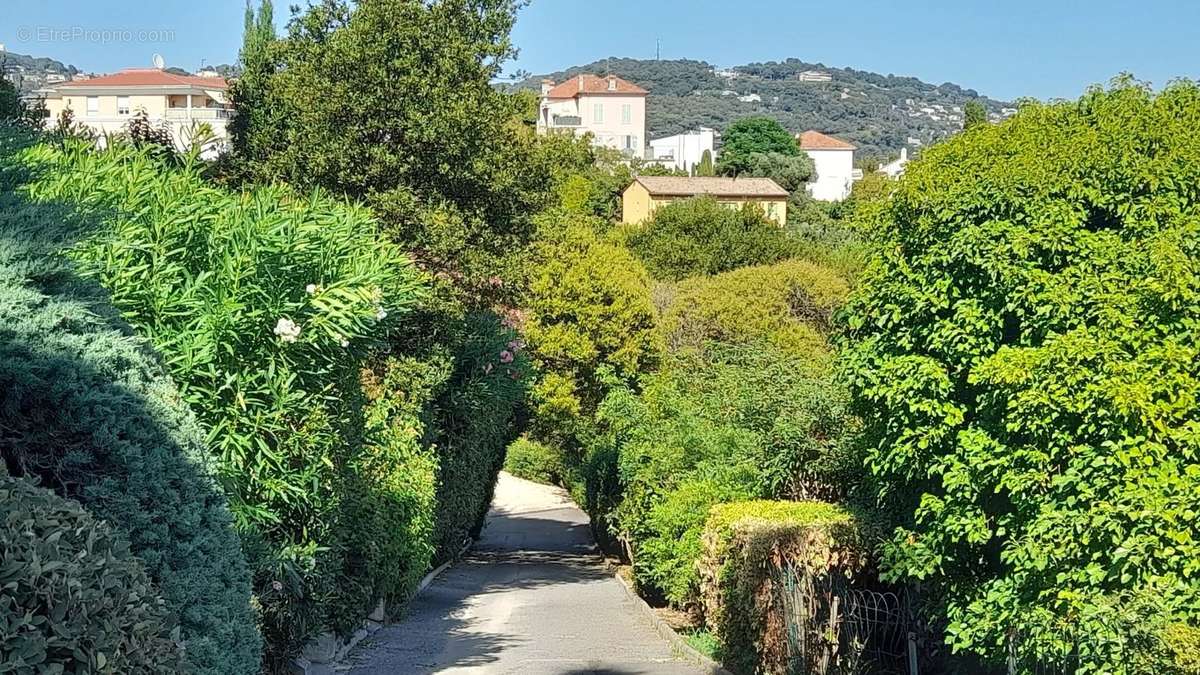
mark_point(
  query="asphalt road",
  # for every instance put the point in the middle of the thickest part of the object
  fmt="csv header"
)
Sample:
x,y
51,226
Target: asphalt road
x,y
531,598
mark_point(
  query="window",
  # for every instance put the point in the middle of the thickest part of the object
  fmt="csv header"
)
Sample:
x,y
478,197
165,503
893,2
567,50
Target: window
x,y
598,113
93,106
122,105
631,142
626,114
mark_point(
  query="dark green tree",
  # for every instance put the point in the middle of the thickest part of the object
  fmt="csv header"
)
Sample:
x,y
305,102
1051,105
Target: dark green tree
x,y
792,172
705,167
752,136
974,114
252,128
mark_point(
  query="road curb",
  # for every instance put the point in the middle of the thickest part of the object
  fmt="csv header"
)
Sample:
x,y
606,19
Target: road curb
x,y
664,630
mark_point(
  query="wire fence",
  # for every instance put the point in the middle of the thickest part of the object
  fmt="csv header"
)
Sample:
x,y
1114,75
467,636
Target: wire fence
x,y
837,627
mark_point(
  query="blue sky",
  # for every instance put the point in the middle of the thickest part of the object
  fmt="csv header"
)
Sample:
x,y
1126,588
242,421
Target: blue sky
x,y
1040,48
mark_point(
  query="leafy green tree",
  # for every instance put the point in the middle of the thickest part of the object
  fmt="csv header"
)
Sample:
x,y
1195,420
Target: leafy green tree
x,y
792,172
752,136
1024,355
252,128
391,101
702,236
974,114
706,167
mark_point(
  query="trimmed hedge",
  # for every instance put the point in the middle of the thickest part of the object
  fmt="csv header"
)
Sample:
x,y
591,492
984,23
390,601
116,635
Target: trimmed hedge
x,y
742,543
789,304
538,462
75,600
86,408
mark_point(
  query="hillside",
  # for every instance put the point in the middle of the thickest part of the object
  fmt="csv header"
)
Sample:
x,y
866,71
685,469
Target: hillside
x,y
28,73
879,113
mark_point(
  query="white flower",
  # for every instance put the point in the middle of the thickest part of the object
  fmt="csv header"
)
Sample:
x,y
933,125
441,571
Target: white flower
x,y
345,343
287,330
381,314
311,289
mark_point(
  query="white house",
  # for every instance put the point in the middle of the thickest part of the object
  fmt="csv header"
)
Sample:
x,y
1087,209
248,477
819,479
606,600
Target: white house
x,y
611,109
895,168
834,162
684,151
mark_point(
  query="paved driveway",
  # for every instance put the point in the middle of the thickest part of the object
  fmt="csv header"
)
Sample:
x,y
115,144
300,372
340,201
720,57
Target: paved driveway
x,y
531,599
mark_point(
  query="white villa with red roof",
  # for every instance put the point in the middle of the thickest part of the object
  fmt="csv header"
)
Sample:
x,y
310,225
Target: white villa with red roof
x,y
105,104
834,161
611,109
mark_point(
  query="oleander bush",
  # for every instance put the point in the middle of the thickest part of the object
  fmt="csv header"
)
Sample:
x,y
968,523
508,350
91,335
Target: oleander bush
x,y
1024,356
744,543
75,599
87,410
266,305
789,304
700,236
735,422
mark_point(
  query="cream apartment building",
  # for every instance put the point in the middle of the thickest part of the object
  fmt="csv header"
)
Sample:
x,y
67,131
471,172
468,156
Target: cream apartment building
x,y
610,108
105,104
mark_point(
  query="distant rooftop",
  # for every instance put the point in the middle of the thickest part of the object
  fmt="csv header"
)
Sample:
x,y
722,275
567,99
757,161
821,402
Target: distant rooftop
x,y
147,77
684,186
593,84
815,140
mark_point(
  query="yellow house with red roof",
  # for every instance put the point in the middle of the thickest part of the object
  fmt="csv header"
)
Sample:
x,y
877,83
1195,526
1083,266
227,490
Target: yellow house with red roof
x,y
105,104
611,109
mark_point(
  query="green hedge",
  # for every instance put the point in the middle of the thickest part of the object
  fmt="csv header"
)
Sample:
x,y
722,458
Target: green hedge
x,y
742,544
87,409
538,462
75,600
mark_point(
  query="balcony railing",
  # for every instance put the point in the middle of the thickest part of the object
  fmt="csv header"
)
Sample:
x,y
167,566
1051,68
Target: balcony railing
x,y
567,121
198,114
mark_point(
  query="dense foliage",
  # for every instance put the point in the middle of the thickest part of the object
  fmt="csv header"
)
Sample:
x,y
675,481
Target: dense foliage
x,y
702,236
732,423
534,461
86,408
1024,355
266,306
75,600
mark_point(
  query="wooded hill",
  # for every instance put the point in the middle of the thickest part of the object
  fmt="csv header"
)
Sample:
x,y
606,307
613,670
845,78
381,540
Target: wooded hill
x,y
878,113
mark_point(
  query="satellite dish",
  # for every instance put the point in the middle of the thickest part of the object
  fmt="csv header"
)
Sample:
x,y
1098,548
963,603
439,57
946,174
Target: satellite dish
x,y
158,61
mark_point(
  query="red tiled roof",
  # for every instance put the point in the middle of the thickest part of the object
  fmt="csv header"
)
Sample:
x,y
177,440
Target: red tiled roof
x,y
815,140
592,84
148,77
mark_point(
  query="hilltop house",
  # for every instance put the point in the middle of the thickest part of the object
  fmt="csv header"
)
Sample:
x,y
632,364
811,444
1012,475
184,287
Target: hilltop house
x,y
834,161
647,193
683,151
105,104
611,109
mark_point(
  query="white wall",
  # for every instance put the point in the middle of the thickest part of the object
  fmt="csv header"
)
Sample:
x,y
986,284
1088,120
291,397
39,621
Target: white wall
x,y
609,129
683,151
834,170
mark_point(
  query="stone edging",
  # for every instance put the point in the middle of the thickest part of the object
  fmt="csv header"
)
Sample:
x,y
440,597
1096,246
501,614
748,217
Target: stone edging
x,y
666,632
323,654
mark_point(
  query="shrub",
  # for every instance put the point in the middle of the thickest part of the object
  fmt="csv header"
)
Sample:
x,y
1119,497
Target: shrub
x,y
531,460
702,236
751,136
822,544
266,305
589,312
479,412
1024,356
75,600
734,423
789,304
86,408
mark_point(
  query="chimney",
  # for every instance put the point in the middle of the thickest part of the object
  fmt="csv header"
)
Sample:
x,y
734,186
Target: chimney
x,y
612,82
547,85
580,83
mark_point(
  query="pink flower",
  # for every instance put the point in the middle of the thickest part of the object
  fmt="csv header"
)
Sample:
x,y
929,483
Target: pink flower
x,y
506,356
516,345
